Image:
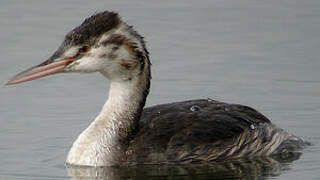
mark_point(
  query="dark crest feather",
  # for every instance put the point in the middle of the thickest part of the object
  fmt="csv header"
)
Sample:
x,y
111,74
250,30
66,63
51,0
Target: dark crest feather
x,y
88,31
93,27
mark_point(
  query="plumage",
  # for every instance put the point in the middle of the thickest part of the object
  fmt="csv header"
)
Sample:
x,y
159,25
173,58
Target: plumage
x,y
173,133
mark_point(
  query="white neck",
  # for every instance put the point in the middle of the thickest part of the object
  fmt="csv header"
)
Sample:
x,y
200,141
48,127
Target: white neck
x,y
103,142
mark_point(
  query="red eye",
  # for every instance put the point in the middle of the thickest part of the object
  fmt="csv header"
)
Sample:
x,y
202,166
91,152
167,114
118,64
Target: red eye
x,y
83,49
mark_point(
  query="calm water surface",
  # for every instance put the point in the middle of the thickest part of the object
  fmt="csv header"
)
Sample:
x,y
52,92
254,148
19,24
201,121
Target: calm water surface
x,y
260,53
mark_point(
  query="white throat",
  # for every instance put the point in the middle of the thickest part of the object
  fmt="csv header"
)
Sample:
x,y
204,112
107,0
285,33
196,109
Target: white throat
x,y
103,142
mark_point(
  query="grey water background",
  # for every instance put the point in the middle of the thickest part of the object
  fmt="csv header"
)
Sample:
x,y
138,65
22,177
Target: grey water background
x,y
260,53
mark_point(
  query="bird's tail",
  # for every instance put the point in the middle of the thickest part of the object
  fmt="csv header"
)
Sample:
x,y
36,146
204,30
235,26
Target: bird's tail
x,y
292,144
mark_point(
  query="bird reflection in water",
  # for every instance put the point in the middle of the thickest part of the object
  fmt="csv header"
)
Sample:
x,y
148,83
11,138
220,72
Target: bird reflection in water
x,y
256,168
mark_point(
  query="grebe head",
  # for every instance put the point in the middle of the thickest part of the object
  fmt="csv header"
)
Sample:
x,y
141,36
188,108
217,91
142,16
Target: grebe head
x,y
102,43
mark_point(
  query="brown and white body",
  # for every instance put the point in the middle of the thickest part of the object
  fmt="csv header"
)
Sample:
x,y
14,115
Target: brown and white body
x,y
199,131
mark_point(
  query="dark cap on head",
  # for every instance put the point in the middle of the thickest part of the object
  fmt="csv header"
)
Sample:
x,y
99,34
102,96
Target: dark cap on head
x,y
86,33
93,27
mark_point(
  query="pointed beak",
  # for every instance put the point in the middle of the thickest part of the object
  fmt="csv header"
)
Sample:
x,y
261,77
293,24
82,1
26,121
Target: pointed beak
x,y
44,69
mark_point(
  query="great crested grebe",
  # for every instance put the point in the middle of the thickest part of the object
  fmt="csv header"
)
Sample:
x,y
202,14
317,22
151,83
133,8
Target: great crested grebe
x,y
124,133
